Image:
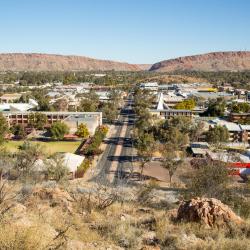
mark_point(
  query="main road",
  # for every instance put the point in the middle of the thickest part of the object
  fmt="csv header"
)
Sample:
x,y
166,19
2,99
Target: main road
x,y
116,163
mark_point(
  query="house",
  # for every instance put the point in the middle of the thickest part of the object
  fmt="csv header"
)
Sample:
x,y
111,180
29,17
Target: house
x,y
199,149
16,107
69,160
10,98
152,86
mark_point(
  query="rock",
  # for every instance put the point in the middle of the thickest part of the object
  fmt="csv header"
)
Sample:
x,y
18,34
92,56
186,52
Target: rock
x,y
208,211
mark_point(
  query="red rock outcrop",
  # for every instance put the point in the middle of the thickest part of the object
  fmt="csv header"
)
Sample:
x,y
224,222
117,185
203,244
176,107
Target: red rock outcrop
x,y
208,211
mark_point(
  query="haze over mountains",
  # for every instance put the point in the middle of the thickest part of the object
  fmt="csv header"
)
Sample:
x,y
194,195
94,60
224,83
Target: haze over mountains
x,y
216,61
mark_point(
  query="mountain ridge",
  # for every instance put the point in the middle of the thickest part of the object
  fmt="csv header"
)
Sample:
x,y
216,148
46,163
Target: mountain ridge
x,y
57,62
213,61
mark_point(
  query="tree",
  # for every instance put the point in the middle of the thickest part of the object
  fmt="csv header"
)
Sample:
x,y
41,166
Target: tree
x,y
19,131
89,102
143,122
171,159
26,157
110,112
209,180
56,168
240,107
38,120
177,138
58,130
42,99
216,107
61,105
217,134
188,104
145,145
3,128
82,131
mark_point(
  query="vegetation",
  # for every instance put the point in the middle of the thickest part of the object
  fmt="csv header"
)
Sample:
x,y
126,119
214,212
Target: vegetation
x,y
216,107
172,159
217,134
56,168
19,131
89,102
96,140
82,131
37,120
240,107
3,128
58,130
188,104
49,147
145,145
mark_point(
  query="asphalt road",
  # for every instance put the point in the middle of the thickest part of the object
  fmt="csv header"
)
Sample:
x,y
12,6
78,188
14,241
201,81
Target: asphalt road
x,y
124,160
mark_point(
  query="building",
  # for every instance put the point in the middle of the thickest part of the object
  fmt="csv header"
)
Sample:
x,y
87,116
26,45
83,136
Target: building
x,y
72,119
22,107
152,86
199,149
239,117
10,98
169,113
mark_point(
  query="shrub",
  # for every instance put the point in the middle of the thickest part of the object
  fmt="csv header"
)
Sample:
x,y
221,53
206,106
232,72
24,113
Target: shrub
x,y
86,164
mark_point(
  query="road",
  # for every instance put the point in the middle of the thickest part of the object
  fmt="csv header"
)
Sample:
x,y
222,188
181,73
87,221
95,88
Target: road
x,y
115,165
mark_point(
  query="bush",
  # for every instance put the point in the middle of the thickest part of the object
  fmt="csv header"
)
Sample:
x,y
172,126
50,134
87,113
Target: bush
x,y
86,164
93,147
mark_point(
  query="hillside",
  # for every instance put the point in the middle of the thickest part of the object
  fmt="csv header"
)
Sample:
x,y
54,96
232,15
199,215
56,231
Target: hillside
x,y
217,61
48,62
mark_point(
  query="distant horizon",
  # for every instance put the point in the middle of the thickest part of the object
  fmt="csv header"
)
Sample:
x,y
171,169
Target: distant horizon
x,y
119,61
134,31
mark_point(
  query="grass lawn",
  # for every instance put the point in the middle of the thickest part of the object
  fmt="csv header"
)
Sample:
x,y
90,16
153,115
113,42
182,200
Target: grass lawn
x,y
49,147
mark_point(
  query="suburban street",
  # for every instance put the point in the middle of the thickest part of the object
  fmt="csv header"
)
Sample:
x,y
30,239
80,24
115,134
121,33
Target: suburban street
x,y
115,164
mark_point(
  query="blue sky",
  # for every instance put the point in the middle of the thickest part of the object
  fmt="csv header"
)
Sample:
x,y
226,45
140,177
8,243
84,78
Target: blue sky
x,y
136,31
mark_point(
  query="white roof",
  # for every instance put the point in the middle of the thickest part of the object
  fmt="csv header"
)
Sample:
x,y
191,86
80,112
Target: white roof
x,y
245,127
232,127
72,161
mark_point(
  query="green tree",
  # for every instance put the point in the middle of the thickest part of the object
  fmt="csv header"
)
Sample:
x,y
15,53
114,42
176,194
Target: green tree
x,y
188,104
145,145
216,107
171,159
19,131
110,112
89,102
217,134
3,128
61,105
56,168
58,130
38,120
209,180
82,131
25,160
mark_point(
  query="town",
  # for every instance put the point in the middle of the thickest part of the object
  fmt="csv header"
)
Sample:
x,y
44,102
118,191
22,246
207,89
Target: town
x,y
125,125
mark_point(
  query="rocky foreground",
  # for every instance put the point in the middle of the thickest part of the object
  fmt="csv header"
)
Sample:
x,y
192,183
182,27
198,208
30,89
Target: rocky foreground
x,y
91,216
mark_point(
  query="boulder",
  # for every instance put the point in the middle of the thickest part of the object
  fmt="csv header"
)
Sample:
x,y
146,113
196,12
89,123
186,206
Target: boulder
x,y
208,211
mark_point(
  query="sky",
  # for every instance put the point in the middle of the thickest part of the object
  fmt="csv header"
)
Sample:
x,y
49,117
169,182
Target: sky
x,y
135,31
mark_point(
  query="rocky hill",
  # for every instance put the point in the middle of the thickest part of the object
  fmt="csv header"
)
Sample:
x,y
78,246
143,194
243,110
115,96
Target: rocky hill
x,y
48,62
217,61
